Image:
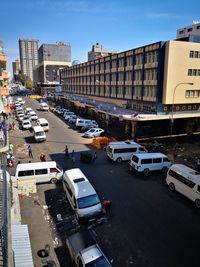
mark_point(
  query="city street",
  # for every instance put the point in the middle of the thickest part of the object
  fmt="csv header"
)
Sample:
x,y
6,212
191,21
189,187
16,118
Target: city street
x,y
148,226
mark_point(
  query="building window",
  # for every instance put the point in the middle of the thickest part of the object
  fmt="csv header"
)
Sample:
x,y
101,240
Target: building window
x,y
189,30
196,54
194,72
192,93
198,27
181,32
191,53
190,72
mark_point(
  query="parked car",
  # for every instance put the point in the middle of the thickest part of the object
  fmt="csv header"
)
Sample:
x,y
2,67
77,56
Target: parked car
x,y
88,127
26,124
69,115
72,118
34,116
93,132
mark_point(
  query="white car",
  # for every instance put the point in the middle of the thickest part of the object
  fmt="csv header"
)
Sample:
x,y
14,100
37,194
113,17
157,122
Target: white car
x,y
26,124
33,115
72,118
68,115
93,132
21,117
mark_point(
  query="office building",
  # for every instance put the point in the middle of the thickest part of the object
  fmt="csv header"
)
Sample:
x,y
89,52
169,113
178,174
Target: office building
x,y
159,78
52,57
187,31
28,50
16,67
98,52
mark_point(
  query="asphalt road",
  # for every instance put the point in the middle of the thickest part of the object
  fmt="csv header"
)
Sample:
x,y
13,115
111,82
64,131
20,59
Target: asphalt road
x,y
148,226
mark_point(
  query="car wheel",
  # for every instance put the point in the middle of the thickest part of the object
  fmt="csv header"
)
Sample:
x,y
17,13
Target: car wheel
x,y
146,171
197,203
171,186
53,180
119,160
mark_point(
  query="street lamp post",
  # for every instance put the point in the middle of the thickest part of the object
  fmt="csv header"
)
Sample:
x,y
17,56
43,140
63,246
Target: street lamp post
x,y
172,111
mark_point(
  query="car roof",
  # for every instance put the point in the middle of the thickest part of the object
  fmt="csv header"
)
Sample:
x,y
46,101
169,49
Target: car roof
x,y
37,128
41,120
183,169
150,155
28,166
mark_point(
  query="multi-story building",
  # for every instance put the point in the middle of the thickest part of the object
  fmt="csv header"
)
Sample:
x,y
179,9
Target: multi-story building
x,y
145,78
16,67
98,52
52,58
187,31
28,50
4,90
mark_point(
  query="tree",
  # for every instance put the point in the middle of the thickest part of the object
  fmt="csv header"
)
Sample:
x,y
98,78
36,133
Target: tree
x,y
29,84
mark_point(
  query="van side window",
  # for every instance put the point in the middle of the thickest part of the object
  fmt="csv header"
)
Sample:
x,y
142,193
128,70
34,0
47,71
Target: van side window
x,y
157,160
142,149
146,161
165,160
52,170
41,171
198,188
181,178
125,150
25,173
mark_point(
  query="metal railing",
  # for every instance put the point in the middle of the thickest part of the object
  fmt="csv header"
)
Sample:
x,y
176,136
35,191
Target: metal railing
x,y
6,255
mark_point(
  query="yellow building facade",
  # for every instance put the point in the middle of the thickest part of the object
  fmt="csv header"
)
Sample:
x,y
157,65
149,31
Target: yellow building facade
x,y
159,78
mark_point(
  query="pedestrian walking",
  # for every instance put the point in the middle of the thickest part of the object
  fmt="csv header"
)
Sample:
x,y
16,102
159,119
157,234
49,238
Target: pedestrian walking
x,y
42,157
73,157
106,203
175,153
8,159
13,125
198,164
30,152
94,157
11,148
66,152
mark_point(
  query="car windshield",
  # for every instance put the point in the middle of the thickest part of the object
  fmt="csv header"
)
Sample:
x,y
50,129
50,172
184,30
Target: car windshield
x,y
26,123
100,262
39,134
85,202
43,124
91,131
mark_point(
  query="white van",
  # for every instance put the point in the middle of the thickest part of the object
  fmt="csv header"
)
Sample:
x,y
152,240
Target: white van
x,y
39,134
146,162
184,180
44,107
41,171
121,151
44,124
33,115
81,194
84,123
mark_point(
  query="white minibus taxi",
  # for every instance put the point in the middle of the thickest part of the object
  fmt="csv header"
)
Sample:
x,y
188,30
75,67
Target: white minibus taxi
x,y
44,107
184,180
39,134
42,172
44,124
121,151
81,195
146,162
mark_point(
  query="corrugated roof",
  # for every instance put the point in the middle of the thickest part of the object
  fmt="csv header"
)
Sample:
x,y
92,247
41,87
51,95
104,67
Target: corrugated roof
x,y
21,246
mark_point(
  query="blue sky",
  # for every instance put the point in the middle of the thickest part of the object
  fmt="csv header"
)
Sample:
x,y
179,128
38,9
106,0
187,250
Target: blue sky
x,y
117,25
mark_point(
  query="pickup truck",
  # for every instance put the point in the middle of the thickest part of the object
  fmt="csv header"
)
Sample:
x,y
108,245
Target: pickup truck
x,y
84,250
